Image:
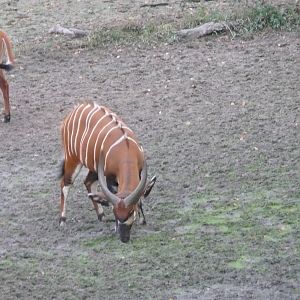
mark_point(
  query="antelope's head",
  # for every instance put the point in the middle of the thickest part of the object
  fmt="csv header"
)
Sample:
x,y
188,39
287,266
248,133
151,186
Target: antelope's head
x,y
126,208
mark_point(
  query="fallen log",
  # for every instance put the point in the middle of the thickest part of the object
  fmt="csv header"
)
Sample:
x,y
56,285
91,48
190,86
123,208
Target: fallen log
x,y
154,4
204,29
72,32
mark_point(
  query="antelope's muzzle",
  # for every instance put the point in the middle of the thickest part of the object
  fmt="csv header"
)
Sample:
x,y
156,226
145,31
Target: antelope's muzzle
x,y
124,232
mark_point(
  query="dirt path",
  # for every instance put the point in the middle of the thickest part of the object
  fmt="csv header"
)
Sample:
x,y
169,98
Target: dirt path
x,y
219,120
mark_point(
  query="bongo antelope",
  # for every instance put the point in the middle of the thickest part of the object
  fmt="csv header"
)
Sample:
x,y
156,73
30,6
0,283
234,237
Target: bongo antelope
x,y
5,48
95,137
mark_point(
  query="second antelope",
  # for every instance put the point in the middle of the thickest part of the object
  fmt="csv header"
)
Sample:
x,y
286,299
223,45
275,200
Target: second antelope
x,y
98,139
5,48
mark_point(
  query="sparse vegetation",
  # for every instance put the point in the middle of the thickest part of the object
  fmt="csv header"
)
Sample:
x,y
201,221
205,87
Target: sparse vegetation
x,y
263,16
132,33
219,122
242,234
247,20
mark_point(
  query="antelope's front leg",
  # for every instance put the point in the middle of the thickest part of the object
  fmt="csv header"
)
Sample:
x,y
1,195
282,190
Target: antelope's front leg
x,y
5,91
97,198
63,196
142,219
71,170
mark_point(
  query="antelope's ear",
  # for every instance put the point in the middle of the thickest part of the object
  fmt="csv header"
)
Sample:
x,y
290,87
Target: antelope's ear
x,y
149,186
99,198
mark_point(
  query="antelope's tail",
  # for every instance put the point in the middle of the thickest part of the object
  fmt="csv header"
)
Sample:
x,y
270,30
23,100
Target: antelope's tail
x,y
10,56
62,170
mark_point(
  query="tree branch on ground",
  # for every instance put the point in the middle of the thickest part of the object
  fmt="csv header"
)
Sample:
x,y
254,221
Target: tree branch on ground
x,y
154,4
72,32
205,29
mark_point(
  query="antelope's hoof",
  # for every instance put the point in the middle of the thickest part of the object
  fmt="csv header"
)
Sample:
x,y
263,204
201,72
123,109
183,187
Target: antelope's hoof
x,y
101,217
6,119
62,221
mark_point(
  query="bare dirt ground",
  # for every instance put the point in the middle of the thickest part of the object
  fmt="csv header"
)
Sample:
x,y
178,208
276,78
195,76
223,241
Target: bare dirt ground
x,y
219,120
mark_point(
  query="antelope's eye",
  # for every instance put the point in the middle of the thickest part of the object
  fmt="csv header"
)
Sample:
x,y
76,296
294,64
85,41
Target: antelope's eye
x,y
132,216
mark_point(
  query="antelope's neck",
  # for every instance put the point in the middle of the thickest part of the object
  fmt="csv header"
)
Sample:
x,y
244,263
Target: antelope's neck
x,y
128,178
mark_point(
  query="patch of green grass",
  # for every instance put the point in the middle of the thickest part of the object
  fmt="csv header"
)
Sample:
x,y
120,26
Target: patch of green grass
x,y
240,263
202,15
257,164
254,221
216,234
41,194
22,267
251,19
263,16
132,34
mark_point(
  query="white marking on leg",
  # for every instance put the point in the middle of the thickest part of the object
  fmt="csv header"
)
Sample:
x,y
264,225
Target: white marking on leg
x,y
94,187
66,188
65,191
76,172
94,192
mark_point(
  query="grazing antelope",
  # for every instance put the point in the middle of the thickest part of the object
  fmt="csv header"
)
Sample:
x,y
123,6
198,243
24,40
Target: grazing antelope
x,y
98,139
5,47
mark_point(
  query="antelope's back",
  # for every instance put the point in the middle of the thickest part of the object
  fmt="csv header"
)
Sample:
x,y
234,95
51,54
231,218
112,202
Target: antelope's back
x,y
91,129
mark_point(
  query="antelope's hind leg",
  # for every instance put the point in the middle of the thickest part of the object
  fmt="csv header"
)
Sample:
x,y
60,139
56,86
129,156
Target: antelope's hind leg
x,y
96,197
70,171
5,91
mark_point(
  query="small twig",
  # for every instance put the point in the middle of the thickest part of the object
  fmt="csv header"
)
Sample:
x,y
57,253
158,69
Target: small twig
x,y
229,29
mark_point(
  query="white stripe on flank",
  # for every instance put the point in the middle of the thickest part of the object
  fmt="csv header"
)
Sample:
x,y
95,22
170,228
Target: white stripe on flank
x,y
139,147
86,129
88,142
78,127
63,134
67,146
73,125
96,142
123,137
125,127
108,132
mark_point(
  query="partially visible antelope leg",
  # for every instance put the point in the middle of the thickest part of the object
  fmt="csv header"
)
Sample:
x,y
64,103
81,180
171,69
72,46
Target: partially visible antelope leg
x,y
71,170
142,218
5,91
96,197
